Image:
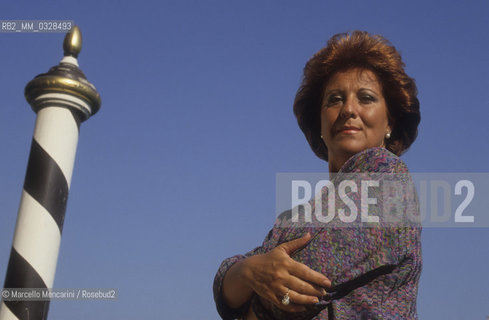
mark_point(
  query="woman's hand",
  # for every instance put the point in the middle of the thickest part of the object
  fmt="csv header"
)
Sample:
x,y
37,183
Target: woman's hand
x,y
275,273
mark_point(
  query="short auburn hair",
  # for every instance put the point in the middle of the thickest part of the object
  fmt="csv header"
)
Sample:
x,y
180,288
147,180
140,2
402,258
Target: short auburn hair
x,y
359,49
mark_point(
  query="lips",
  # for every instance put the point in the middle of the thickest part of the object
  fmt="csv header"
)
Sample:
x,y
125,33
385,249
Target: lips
x,y
348,130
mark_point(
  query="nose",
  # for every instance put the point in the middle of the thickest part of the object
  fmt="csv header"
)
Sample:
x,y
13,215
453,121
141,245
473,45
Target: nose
x,y
349,109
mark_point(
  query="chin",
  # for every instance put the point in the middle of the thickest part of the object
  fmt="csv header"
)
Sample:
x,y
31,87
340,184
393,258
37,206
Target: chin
x,y
351,148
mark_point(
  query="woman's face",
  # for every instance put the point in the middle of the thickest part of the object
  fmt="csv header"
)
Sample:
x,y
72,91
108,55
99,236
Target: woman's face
x,y
353,114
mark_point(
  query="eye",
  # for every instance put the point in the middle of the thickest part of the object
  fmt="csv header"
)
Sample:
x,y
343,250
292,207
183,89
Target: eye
x,y
367,98
333,99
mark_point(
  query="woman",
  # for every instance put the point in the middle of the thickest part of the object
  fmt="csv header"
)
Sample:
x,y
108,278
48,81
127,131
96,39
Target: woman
x,y
359,111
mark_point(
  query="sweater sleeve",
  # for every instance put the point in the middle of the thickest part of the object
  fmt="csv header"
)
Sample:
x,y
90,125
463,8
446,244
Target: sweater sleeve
x,y
222,308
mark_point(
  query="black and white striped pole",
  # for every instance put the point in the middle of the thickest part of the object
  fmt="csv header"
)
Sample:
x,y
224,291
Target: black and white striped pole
x,y
62,99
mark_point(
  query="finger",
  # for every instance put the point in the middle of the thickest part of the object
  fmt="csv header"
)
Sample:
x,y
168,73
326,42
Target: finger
x,y
298,298
296,244
305,288
305,273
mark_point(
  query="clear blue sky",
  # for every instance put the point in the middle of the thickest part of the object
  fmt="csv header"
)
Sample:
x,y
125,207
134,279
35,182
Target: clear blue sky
x,y
177,170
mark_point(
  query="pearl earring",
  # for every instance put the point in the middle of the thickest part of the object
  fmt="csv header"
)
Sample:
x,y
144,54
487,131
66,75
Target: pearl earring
x,y
321,137
388,135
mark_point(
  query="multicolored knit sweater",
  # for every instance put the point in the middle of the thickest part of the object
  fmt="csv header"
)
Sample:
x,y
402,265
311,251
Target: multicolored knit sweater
x,y
374,270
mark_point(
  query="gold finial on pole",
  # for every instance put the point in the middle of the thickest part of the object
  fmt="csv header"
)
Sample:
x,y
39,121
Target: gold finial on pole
x,y
73,42
65,78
